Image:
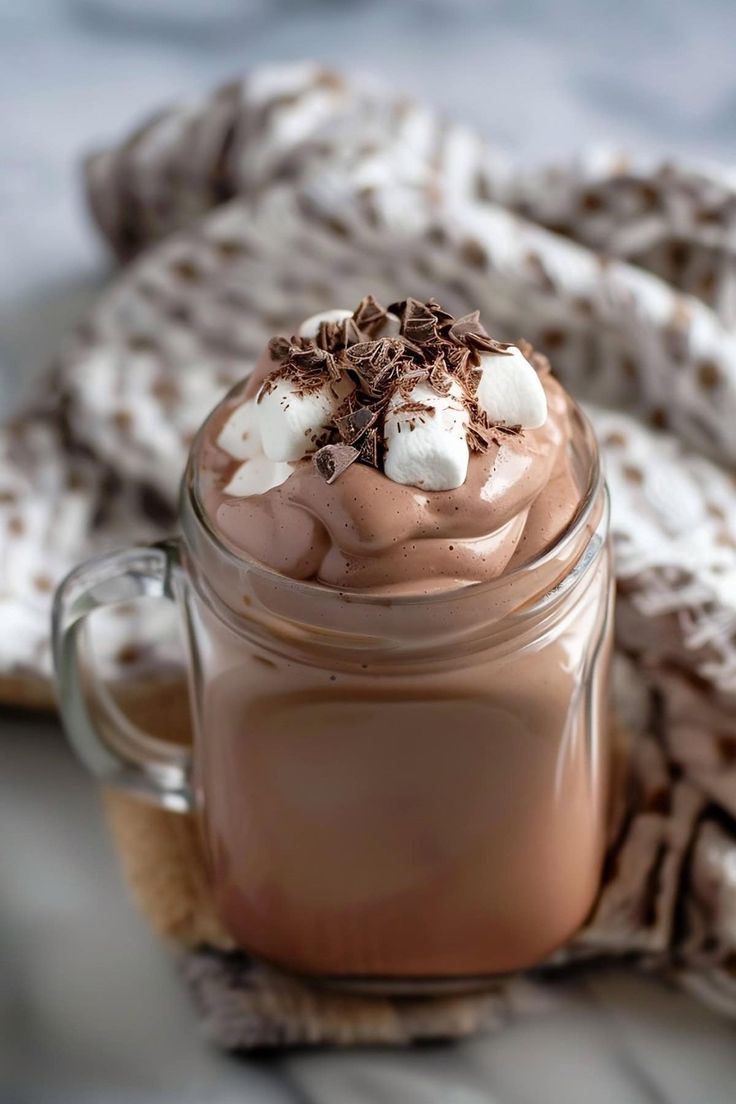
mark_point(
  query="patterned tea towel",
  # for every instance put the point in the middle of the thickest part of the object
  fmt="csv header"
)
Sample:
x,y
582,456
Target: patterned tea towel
x,y
291,191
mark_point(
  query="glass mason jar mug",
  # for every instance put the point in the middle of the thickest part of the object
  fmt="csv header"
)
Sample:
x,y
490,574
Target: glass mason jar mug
x,y
392,790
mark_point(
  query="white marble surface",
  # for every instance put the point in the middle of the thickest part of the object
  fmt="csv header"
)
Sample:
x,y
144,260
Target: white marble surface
x,y
90,1008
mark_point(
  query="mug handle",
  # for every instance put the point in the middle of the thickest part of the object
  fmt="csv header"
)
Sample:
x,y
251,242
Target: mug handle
x,y
113,748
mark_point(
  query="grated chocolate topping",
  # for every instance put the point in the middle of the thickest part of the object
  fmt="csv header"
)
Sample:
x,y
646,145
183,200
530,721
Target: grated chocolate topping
x,y
332,460
432,347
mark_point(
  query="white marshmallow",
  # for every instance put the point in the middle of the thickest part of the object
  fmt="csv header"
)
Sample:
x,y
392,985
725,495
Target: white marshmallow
x,y
241,438
310,326
510,390
291,423
256,476
240,435
434,454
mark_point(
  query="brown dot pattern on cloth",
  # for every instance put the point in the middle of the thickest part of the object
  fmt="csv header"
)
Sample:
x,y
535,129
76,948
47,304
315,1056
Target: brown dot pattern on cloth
x,y
709,374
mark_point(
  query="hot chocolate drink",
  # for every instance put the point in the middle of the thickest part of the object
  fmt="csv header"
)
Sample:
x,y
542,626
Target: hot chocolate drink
x,y
396,532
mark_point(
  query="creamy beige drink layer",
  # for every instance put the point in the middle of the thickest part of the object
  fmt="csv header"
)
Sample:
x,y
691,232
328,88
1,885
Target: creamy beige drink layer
x,y
402,760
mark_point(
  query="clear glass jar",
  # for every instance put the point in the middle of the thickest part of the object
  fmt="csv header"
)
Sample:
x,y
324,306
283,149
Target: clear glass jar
x,y
396,791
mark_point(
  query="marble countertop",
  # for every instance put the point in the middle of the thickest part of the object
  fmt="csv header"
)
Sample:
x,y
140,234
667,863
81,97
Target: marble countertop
x,y
90,1007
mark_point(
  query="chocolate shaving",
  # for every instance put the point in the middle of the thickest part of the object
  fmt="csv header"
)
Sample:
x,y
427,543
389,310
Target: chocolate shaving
x,y
419,323
338,335
433,348
467,323
353,425
373,355
470,331
375,362
332,460
369,448
479,437
279,348
369,316
419,408
459,357
481,434
471,381
411,349
334,369
482,343
311,359
444,318
439,378
407,381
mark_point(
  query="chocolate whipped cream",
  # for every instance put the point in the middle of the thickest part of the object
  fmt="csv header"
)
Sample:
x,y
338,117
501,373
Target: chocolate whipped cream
x,y
364,531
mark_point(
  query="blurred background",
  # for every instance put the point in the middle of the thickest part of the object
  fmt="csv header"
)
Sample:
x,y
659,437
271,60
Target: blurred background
x,y
81,1022
542,79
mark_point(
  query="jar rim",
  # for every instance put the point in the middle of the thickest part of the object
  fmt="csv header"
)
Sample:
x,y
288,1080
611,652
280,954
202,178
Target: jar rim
x,y
190,498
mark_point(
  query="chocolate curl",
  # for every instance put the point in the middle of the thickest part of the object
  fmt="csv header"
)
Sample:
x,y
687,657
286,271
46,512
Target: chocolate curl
x,y
419,322
353,425
332,460
470,331
279,348
376,363
369,316
339,335
369,451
